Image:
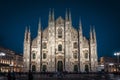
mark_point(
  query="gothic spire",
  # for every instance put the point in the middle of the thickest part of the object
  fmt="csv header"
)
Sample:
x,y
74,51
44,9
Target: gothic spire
x,y
91,35
50,15
94,34
80,24
70,16
26,33
26,29
66,15
29,29
80,30
39,25
29,34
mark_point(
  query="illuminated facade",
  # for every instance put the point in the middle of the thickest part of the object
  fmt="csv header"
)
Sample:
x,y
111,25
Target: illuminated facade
x,y
109,63
60,47
10,61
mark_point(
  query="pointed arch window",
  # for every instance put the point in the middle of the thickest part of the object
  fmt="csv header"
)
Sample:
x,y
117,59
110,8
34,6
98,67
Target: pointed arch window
x,y
75,55
34,56
86,55
33,68
75,45
44,45
59,47
76,68
44,68
86,68
59,33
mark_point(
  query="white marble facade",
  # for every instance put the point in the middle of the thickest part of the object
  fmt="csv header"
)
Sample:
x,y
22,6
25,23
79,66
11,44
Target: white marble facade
x,y
60,47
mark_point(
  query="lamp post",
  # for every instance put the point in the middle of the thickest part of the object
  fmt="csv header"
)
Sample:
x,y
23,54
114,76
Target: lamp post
x,y
117,54
1,54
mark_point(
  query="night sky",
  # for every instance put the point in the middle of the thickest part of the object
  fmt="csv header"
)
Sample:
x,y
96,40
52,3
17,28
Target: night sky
x,y
104,15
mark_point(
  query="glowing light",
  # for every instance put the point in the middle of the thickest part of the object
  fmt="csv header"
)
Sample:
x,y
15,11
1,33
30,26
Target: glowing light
x,y
102,65
117,53
111,64
2,54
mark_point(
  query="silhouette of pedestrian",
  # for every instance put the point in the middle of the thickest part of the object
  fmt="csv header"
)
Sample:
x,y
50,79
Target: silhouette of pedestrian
x,y
30,76
13,75
9,75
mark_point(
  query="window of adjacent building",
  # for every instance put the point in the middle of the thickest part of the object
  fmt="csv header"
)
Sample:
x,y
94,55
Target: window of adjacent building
x,y
75,55
60,33
86,55
44,55
44,68
34,56
59,47
75,45
44,45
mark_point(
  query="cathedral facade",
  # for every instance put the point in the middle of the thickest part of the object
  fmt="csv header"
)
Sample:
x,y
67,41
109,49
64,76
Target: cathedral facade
x,y
60,47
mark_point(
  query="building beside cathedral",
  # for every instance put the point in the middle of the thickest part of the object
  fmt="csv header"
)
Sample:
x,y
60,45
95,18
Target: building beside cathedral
x,y
60,47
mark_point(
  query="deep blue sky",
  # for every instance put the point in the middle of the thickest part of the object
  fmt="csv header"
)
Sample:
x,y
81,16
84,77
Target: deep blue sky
x,y
104,15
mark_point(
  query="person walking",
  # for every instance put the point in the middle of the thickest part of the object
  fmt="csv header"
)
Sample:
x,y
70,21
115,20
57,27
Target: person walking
x,y
13,75
9,75
30,76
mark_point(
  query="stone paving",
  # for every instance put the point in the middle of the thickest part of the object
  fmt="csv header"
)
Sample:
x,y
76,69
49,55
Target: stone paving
x,y
67,77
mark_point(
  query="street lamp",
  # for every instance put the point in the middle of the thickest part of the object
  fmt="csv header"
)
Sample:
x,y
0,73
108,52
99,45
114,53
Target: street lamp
x,y
1,54
117,54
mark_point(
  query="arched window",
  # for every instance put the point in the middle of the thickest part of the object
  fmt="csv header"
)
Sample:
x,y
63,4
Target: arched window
x,y
75,45
76,68
86,55
44,45
44,55
60,33
44,68
75,55
86,68
59,47
34,56
33,68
